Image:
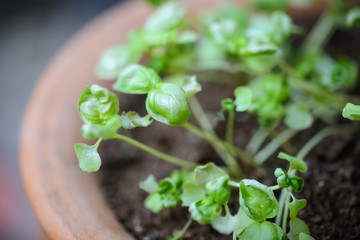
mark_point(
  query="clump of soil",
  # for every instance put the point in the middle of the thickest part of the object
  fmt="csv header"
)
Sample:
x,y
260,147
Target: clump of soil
x,y
331,188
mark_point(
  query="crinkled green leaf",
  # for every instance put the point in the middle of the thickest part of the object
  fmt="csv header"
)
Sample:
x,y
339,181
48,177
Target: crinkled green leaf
x,y
295,206
167,103
264,231
131,120
351,111
206,173
114,60
281,27
89,159
149,184
97,105
353,17
136,79
191,193
295,163
281,177
219,189
257,200
205,211
298,116
168,16
296,183
107,131
297,226
243,98
169,193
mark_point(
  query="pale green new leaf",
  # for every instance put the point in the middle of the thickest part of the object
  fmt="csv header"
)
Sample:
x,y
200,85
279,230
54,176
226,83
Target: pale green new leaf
x,y
243,98
114,60
107,131
131,120
89,159
263,231
351,111
257,200
295,206
229,223
298,116
206,173
191,193
136,79
149,185
295,163
297,226
168,16
353,17
281,27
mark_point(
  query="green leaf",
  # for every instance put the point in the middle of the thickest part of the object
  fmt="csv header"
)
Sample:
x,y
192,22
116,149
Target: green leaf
x,y
167,17
295,163
270,4
257,200
168,192
149,184
89,159
187,37
229,223
275,87
296,183
206,173
259,45
353,17
351,111
131,120
97,105
243,98
191,193
304,236
114,60
281,27
263,231
295,206
153,203
136,79
107,131
167,103
298,116
227,104
344,74
188,83
205,211
297,226
156,2
282,178
219,189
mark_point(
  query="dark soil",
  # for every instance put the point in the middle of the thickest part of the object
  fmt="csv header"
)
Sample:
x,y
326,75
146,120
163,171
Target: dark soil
x,y
332,186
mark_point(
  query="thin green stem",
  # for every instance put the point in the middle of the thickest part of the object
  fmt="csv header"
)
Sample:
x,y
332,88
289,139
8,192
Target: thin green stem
x,y
287,146
275,187
214,140
183,231
163,156
234,184
230,127
98,143
320,34
281,206
271,147
333,99
286,211
256,140
205,124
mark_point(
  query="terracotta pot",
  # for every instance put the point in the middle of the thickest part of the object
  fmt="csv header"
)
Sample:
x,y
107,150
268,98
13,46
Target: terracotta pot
x,y
67,202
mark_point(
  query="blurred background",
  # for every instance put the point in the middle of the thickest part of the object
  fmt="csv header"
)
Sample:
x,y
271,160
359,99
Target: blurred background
x,y
31,31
